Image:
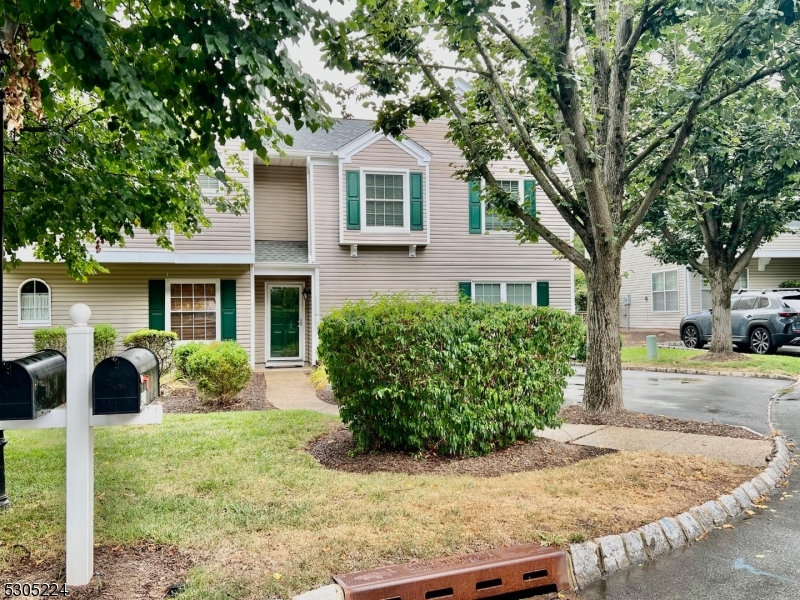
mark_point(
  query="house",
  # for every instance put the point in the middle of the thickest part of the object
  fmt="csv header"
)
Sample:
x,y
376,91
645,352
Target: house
x,y
342,215
662,294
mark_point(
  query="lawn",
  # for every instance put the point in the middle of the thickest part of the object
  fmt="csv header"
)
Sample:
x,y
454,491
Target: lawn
x,y
238,493
678,357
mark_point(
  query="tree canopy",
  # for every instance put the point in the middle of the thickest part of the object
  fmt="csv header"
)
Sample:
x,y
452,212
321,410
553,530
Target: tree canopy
x,y
113,108
610,90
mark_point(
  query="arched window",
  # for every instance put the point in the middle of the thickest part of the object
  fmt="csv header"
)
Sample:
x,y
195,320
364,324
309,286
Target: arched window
x,y
34,303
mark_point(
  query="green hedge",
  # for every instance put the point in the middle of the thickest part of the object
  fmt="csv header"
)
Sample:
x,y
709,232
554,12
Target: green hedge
x,y
181,356
55,338
160,343
790,283
221,369
454,378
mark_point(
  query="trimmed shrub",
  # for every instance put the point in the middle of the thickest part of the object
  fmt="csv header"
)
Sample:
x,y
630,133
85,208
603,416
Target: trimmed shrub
x,y
790,283
105,338
181,356
454,378
221,370
55,338
51,338
160,343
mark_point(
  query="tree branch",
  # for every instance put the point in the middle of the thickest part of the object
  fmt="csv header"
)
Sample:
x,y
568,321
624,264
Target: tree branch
x,y
747,255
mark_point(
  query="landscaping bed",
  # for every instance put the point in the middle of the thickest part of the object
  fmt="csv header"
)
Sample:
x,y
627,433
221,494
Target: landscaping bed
x,y
686,359
627,418
335,451
181,396
238,495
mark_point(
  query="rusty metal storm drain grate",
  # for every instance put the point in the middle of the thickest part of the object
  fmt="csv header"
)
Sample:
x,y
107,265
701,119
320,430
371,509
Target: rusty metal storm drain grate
x,y
482,575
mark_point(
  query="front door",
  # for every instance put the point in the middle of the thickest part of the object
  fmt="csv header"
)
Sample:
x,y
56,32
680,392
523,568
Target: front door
x,y
285,323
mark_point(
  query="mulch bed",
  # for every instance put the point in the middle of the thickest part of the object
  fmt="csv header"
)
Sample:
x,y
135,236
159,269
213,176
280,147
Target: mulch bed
x,y
333,450
184,399
636,337
626,418
720,357
139,572
326,395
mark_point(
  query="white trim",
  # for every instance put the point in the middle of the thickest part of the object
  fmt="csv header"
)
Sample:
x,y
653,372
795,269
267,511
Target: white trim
x,y
365,140
168,304
252,316
310,210
572,310
35,324
177,258
342,209
763,262
504,289
687,291
761,253
252,204
314,316
270,269
384,230
301,334
293,153
428,203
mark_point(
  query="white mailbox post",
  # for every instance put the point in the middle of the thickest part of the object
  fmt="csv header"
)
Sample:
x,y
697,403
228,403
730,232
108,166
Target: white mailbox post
x,y
79,421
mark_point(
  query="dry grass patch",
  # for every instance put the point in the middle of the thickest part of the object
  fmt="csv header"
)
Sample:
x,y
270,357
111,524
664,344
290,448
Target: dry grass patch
x,y
238,493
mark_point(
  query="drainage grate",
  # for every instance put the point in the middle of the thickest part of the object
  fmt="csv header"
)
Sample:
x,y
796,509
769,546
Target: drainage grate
x,y
465,577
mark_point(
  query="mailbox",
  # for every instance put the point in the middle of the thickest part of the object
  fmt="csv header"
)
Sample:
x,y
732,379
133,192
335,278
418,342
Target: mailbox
x,y
125,383
32,386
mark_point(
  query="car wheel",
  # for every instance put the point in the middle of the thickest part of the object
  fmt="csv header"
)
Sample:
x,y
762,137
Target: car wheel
x,y
691,337
761,341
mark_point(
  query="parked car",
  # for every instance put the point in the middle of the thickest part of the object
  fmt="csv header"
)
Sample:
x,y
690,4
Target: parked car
x,y
763,321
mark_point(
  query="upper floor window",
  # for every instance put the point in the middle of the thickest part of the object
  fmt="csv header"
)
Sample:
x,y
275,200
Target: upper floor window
x,y
385,197
495,222
34,303
209,185
705,291
665,291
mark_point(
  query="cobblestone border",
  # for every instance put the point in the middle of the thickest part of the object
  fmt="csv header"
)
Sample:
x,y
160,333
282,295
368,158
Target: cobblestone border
x,y
708,372
603,556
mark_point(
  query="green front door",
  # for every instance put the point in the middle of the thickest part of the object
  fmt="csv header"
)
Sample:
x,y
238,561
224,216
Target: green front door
x,y
284,319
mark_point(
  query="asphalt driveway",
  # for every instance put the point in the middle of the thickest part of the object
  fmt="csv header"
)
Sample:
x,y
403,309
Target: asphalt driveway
x,y
759,559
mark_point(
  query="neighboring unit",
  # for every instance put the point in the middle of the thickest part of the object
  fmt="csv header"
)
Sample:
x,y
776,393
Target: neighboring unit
x,y
341,215
661,295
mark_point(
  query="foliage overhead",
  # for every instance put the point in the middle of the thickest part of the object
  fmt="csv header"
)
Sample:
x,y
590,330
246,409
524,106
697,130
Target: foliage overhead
x,y
452,378
115,107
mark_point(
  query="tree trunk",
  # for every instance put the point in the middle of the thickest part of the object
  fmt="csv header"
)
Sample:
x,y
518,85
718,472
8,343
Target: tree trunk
x,y
603,389
721,289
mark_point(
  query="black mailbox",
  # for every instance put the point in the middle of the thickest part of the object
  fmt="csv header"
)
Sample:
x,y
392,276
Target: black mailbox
x,y
32,386
125,383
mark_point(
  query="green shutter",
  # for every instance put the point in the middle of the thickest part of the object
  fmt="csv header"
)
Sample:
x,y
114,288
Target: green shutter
x,y
416,201
542,293
530,196
228,297
156,297
475,210
465,291
353,200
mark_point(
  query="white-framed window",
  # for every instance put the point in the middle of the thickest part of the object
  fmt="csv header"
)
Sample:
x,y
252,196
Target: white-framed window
x,y
495,222
385,200
193,309
665,291
34,303
494,293
209,185
705,291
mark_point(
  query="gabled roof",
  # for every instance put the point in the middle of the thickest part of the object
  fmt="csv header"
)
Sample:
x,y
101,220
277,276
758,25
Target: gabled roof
x,y
342,133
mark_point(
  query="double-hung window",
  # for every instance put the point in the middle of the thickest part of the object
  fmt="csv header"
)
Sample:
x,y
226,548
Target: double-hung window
x,y
385,197
705,292
193,310
494,293
209,185
493,221
665,291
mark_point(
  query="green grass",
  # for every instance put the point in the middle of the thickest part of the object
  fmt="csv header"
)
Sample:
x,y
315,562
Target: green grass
x,y
676,357
238,492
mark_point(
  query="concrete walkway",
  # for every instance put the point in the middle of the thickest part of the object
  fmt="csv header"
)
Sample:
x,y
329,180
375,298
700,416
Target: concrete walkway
x,y
289,389
738,451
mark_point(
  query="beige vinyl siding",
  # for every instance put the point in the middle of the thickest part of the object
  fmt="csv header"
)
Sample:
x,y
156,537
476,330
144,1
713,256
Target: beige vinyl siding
x,y
119,297
784,242
281,206
261,315
453,255
637,270
383,154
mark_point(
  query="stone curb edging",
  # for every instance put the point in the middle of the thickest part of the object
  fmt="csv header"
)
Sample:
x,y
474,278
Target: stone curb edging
x,y
708,372
602,556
